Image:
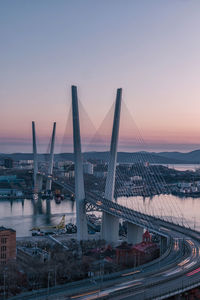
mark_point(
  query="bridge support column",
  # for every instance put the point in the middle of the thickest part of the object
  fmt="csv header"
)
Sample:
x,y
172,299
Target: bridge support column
x,y
134,233
81,221
48,210
110,228
39,182
50,167
110,224
163,245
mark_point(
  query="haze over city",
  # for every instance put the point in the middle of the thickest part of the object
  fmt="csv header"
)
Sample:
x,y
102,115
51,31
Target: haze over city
x,y
149,48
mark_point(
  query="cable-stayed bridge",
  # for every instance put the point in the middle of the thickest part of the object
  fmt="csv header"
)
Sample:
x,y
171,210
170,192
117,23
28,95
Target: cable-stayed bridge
x,y
178,267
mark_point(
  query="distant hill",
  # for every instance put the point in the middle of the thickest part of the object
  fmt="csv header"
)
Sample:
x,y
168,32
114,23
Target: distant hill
x,y
189,157
128,157
192,157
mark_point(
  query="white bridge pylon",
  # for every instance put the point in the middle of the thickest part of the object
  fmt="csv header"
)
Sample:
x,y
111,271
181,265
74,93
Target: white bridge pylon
x,y
51,158
37,177
81,220
110,223
35,160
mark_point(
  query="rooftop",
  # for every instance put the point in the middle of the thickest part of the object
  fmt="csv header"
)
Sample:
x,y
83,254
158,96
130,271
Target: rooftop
x,y
2,228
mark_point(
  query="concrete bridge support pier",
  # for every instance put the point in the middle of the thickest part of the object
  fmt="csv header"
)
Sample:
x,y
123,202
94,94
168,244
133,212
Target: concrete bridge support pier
x,y
163,244
110,224
134,233
110,228
81,221
39,183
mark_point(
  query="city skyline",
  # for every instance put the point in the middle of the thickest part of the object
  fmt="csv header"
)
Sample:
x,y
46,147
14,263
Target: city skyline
x,y
150,49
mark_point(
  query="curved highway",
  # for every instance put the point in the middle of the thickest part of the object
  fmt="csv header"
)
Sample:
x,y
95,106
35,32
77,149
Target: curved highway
x,y
176,271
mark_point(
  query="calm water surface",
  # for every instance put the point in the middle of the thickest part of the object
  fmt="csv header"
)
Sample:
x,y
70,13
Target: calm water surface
x,y
182,167
24,214
184,210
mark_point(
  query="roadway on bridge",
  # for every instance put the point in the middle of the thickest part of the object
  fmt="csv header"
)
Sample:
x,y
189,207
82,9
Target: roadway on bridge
x,y
171,274
155,280
177,270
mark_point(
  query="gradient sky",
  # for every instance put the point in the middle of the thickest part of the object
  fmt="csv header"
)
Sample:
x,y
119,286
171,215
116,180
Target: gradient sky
x,y
149,48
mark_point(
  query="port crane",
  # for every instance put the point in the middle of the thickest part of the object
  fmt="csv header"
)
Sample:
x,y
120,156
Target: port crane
x,y
60,225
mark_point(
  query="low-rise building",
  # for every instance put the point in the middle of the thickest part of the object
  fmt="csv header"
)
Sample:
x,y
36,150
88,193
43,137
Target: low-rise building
x,y
136,178
134,255
146,250
25,254
88,168
184,185
100,171
8,178
10,193
7,245
8,163
26,164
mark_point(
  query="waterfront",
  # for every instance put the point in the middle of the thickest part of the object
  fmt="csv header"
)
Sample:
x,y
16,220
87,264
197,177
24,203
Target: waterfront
x,y
184,210
24,214
182,167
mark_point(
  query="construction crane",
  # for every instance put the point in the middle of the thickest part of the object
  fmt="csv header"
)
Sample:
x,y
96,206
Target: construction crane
x,y
59,226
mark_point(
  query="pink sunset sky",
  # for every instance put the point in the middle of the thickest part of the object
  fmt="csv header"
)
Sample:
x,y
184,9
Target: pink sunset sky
x,y
149,48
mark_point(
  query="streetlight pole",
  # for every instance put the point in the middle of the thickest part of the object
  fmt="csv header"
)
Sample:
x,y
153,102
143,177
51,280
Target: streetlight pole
x,y
55,275
101,272
194,223
4,284
48,285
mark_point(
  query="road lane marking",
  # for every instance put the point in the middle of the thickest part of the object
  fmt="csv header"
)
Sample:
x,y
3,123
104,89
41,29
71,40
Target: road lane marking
x,y
131,273
85,294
